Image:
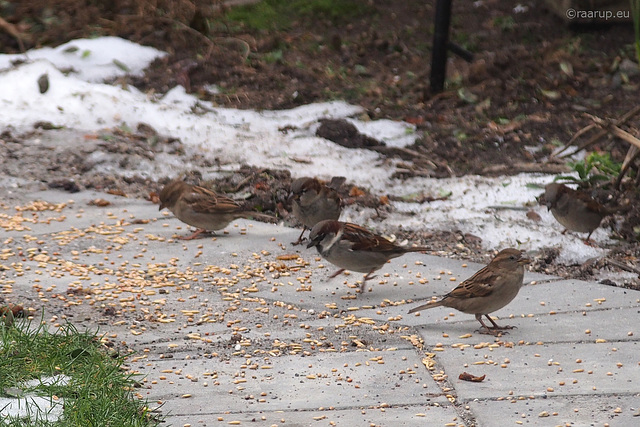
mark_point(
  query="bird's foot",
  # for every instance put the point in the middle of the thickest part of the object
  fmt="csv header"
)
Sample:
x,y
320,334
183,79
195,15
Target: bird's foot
x,y
495,330
299,241
196,234
362,286
491,331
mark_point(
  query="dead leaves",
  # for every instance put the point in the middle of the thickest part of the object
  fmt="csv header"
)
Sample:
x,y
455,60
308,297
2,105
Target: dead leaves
x,y
465,376
10,312
99,202
356,192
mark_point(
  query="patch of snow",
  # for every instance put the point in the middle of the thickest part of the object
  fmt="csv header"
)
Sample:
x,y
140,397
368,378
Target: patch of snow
x,y
36,408
276,139
92,60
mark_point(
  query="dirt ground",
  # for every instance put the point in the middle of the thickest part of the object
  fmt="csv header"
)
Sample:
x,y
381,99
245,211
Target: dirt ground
x,y
533,83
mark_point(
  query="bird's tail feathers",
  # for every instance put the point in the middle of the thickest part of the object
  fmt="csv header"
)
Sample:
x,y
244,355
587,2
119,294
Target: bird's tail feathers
x,y
430,304
260,216
417,249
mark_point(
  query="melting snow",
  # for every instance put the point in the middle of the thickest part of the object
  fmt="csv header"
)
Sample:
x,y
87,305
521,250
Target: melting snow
x,y
78,98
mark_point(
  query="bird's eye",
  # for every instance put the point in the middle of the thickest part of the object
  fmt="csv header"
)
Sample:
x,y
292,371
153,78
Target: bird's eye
x,y
512,257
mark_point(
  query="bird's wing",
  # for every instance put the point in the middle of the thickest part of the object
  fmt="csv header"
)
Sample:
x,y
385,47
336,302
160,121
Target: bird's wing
x,y
481,284
203,200
361,239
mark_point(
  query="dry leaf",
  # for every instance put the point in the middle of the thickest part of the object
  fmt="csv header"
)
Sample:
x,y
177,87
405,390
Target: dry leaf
x,y
99,202
356,192
17,310
534,216
154,198
117,193
414,120
465,376
9,313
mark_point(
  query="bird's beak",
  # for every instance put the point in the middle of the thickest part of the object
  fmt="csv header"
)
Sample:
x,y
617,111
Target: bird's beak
x,y
543,202
292,197
312,243
524,261
162,206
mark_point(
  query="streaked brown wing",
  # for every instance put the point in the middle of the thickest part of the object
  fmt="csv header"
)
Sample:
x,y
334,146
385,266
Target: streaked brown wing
x,y
591,204
363,240
203,200
478,285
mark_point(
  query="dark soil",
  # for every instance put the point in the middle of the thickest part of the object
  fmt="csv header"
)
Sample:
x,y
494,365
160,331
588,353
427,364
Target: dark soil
x,y
531,86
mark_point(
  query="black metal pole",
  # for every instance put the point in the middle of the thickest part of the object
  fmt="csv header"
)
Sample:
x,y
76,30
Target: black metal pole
x,y
440,44
460,51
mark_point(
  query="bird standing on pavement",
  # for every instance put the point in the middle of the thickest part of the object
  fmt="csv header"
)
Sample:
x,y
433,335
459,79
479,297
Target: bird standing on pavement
x,y
490,289
202,208
352,247
574,209
313,201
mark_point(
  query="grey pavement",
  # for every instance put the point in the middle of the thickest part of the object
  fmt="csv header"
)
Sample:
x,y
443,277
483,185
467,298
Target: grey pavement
x,y
245,329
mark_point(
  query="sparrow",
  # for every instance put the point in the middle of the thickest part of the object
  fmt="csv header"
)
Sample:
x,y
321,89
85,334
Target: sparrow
x,y
202,208
574,209
351,247
313,201
490,289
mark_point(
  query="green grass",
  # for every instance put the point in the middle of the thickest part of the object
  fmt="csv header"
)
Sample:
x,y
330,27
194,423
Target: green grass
x,y
278,14
505,23
89,383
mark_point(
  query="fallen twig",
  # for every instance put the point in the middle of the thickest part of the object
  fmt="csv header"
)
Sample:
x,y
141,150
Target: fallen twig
x,y
549,168
623,266
13,31
631,157
599,123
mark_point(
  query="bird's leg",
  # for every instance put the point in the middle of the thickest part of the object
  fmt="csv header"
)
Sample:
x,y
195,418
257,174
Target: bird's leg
x,y
365,278
494,330
195,234
336,273
369,276
586,241
300,240
590,242
495,326
485,329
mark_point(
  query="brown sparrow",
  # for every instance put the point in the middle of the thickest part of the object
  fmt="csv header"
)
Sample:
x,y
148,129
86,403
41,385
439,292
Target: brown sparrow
x,y
574,209
352,247
313,201
202,208
490,289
